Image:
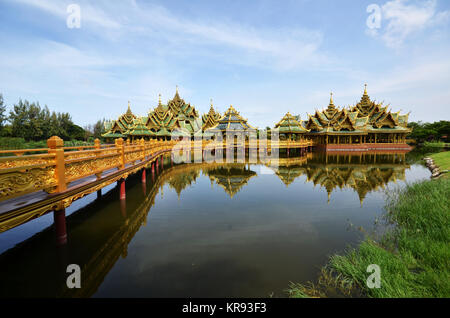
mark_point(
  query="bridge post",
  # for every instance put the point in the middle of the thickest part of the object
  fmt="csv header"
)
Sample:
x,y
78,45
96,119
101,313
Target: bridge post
x,y
122,189
142,143
55,145
121,150
59,220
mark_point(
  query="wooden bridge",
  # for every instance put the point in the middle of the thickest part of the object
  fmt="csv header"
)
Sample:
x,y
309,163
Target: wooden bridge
x,y
34,182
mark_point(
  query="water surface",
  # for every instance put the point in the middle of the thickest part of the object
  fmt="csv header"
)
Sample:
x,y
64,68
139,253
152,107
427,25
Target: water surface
x,y
207,230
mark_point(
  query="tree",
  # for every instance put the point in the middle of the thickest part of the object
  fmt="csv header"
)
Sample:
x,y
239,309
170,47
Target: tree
x,y
32,122
99,128
2,113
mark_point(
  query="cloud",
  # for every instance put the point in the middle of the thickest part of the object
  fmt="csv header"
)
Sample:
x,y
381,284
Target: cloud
x,y
228,41
403,18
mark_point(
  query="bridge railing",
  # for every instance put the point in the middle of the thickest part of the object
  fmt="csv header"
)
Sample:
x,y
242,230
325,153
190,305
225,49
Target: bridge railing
x,y
57,166
54,170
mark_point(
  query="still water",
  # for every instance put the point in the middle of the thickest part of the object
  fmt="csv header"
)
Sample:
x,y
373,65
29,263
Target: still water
x,y
207,230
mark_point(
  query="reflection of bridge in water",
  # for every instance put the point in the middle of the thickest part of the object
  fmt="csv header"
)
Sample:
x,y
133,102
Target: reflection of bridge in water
x,y
110,234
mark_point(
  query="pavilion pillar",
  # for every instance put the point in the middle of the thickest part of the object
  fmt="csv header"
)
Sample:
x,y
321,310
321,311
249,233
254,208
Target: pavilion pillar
x,y
122,189
157,165
59,219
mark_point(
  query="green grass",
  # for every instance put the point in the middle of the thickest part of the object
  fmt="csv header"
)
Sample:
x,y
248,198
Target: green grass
x,y
442,159
414,256
10,143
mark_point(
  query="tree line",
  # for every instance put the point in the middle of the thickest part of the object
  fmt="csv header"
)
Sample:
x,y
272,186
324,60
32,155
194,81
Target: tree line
x,y
437,131
30,121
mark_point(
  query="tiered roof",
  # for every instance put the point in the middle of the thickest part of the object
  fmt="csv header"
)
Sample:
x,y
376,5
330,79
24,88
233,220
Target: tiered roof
x,y
119,127
366,116
211,118
290,124
232,120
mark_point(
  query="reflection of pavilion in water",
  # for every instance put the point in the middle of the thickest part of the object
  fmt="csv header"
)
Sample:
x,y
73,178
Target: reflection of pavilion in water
x,y
361,172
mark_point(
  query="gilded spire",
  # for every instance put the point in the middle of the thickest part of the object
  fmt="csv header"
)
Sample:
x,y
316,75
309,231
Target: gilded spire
x,y
365,89
129,109
331,98
159,99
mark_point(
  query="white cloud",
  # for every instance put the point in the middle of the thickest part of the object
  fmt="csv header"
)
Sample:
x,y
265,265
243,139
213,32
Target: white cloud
x,y
403,18
229,41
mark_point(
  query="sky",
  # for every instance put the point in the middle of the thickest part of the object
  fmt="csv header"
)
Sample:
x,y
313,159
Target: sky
x,y
263,57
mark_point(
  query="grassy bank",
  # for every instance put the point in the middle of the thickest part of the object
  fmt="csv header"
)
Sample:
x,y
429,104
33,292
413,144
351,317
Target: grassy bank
x,y
442,159
414,257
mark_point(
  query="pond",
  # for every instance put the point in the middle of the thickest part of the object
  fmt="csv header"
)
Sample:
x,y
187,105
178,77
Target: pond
x,y
207,230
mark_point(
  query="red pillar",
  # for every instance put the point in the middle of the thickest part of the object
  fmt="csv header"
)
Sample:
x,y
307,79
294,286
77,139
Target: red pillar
x,y
162,162
144,180
157,165
59,219
122,189
288,152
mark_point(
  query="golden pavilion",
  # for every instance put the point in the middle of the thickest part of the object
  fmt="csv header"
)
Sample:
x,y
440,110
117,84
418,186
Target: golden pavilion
x,y
289,128
367,124
231,121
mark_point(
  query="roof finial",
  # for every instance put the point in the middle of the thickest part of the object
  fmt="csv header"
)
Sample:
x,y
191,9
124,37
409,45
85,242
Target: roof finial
x,y
211,102
365,89
129,108
331,98
159,99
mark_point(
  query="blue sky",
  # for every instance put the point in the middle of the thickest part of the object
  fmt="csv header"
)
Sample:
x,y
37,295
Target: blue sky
x,y
263,57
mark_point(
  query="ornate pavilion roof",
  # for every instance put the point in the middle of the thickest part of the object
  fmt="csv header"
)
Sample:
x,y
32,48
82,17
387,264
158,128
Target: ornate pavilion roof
x,y
290,124
211,118
139,129
366,116
232,120
119,127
